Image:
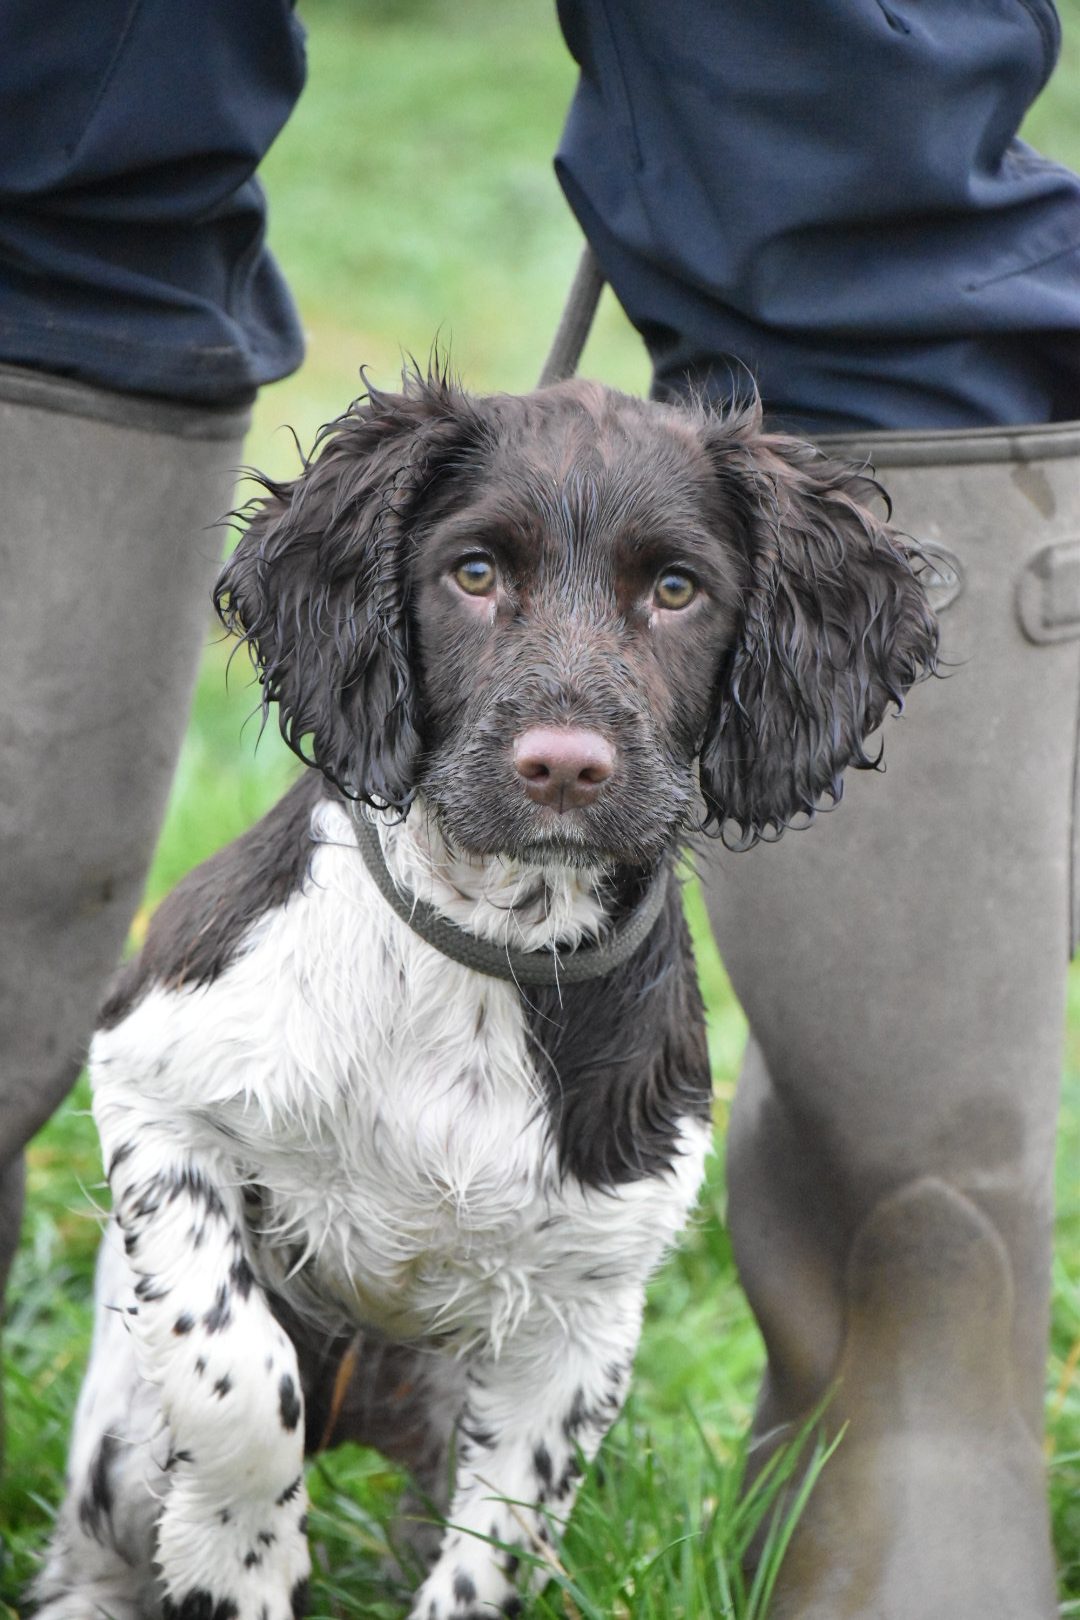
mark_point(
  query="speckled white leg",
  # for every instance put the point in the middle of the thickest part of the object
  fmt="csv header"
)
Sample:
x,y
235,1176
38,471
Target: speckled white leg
x,y
548,1398
100,1558
231,1536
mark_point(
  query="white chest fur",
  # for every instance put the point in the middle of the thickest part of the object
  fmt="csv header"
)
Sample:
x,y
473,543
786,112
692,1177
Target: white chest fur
x,y
384,1100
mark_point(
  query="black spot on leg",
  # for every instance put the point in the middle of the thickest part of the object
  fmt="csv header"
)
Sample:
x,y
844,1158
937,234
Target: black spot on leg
x,y
302,1526
219,1315
288,1403
567,1479
184,1324
252,1559
124,1151
464,1588
242,1277
298,1600
95,1508
290,1491
511,1566
485,1438
513,1606
187,1182
148,1289
577,1415
542,1463
223,1386
148,1201
200,1605
200,1365
131,1243
267,1537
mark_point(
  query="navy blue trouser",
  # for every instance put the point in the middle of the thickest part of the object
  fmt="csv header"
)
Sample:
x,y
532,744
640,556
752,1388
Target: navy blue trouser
x,y
830,193
826,192
132,249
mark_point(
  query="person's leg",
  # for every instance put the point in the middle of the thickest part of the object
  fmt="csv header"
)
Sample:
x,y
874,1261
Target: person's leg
x,y
109,542
132,258
835,202
132,226
891,1147
831,198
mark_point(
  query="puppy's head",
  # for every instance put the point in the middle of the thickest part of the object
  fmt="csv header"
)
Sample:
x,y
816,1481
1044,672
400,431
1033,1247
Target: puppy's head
x,y
568,618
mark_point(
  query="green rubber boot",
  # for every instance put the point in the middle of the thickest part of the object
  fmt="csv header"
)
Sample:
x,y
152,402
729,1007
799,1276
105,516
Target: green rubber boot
x,y
891,1148
109,547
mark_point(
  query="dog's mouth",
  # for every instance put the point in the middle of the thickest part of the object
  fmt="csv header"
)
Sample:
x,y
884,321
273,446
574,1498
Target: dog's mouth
x,y
547,839
565,840
613,832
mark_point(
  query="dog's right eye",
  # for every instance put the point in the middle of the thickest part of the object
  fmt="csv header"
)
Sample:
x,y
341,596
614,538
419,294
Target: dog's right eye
x,y
476,576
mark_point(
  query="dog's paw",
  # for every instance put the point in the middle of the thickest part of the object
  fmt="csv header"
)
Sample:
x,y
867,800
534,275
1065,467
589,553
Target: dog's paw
x,y
201,1603
90,1603
471,1581
245,1561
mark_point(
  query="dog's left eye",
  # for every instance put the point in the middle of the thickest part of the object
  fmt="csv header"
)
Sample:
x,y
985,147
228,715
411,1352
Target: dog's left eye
x,y
476,576
674,589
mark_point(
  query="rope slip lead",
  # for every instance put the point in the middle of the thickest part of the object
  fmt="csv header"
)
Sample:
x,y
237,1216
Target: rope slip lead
x,y
576,321
529,969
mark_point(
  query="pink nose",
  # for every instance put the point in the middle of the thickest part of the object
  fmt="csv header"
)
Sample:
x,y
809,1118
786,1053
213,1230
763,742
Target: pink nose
x,y
563,766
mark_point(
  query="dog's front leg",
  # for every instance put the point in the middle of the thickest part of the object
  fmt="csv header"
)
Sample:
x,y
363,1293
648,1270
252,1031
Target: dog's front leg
x,y
533,1411
231,1537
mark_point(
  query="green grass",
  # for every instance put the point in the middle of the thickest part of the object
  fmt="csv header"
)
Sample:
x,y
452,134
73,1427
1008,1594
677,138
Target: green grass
x,y
412,195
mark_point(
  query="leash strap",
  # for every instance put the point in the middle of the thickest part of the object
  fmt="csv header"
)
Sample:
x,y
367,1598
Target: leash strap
x,y
528,969
576,321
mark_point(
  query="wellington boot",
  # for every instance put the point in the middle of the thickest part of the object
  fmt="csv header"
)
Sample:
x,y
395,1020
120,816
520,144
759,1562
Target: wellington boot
x,y
903,964
108,549
936,1473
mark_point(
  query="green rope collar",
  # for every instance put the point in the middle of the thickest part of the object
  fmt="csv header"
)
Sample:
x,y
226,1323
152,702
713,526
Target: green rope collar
x,y
529,969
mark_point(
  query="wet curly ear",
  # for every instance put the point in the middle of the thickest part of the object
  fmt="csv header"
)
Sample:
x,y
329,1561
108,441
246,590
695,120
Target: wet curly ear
x,y
317,587
834,627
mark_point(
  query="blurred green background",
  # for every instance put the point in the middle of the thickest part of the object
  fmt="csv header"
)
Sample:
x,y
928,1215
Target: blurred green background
x,y
412,198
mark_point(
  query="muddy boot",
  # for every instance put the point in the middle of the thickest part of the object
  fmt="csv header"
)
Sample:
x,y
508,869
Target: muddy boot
x,y
891,1148
108,551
